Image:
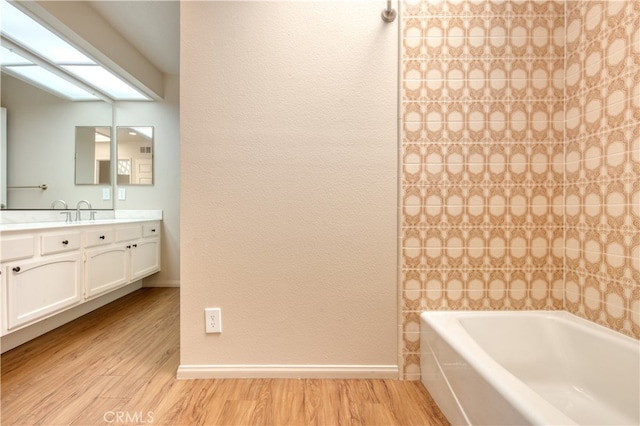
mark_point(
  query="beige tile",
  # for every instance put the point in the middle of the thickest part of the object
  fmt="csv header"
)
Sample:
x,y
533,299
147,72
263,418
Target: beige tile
x,y
511,162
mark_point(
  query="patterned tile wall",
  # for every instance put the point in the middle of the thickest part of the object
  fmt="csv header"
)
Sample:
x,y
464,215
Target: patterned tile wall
x,y
484,175
602,171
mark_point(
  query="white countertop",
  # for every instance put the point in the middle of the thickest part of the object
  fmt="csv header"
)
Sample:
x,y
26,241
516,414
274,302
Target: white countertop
x,y
63,225
15,222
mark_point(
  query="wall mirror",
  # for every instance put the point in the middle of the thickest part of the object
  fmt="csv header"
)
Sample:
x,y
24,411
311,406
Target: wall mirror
x,y
135,155
93,155
41,149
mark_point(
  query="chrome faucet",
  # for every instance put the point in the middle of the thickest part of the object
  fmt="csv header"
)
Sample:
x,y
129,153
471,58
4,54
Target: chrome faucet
x,y
64,204
78,215
65,207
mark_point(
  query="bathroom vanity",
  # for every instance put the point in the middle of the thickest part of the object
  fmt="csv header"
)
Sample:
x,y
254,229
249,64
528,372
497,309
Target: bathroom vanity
x,y
51,267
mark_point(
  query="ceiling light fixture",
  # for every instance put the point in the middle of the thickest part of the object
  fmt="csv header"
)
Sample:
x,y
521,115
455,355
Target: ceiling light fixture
x,y
25,67
39,48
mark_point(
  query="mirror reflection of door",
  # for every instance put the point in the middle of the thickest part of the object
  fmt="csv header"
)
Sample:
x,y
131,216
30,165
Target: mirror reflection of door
x,y
103,171
143,171
135,155
93,155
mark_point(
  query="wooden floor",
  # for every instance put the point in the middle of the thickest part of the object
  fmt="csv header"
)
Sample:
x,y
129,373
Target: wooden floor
x,y
117,365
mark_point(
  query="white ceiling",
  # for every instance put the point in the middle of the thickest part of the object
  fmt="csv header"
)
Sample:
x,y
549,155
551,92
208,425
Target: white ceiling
x,y
152,27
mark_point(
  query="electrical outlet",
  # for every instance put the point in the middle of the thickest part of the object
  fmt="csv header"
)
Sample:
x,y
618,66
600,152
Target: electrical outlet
x,y
122,194
106,193
213,320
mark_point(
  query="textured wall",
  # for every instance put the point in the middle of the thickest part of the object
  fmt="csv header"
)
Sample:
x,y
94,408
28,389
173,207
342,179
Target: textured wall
x,y
486,194
289,190
602,173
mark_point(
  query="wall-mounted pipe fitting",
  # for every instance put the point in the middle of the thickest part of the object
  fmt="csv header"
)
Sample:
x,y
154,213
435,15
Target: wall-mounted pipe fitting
x,y
389,14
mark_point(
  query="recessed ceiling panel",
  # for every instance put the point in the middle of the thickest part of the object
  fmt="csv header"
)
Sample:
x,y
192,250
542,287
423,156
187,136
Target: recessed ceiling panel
x,y
47,55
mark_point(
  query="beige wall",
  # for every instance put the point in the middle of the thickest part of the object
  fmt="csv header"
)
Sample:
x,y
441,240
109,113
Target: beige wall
x,y
288,184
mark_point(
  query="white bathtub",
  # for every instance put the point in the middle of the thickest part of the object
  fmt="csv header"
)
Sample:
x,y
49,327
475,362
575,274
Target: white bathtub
x,y
529,367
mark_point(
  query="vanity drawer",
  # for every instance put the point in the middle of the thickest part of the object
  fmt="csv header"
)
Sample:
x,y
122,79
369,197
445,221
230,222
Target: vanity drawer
x,y
151,229
126,233
19,247
99,237
60,242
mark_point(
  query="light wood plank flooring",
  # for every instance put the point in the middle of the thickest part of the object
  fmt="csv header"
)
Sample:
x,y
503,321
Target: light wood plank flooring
x,y
117,365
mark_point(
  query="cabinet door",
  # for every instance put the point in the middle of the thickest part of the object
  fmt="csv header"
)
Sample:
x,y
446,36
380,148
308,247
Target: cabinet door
x,y
106,269
145,258
36,289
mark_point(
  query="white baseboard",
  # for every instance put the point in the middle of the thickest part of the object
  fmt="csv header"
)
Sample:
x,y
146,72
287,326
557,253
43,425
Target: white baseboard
x,y
302,371
172,283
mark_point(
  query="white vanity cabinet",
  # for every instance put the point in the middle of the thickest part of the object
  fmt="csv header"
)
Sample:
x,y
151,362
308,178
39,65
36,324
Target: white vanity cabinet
x,y
127,256
145,252
42,275
106,262
44,272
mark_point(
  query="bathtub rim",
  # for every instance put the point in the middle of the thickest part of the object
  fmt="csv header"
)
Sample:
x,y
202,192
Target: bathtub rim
x,y
448,327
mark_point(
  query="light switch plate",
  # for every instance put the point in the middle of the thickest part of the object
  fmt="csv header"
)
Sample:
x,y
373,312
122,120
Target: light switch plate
x,y
106,193
122,194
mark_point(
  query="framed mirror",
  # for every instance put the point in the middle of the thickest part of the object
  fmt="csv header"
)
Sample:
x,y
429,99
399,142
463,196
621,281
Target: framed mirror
x,y
93,155
135,155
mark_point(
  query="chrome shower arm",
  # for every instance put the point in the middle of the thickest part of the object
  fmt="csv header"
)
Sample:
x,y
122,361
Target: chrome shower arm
x,y
389,14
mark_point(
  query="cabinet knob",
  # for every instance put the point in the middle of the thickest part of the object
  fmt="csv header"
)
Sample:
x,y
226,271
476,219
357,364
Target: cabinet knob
x,y
16,269
65,242
135,245
128,246
153,230
101,237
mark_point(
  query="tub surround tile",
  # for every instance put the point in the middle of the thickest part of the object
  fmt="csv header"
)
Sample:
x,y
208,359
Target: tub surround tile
x,y
520,160
601,251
